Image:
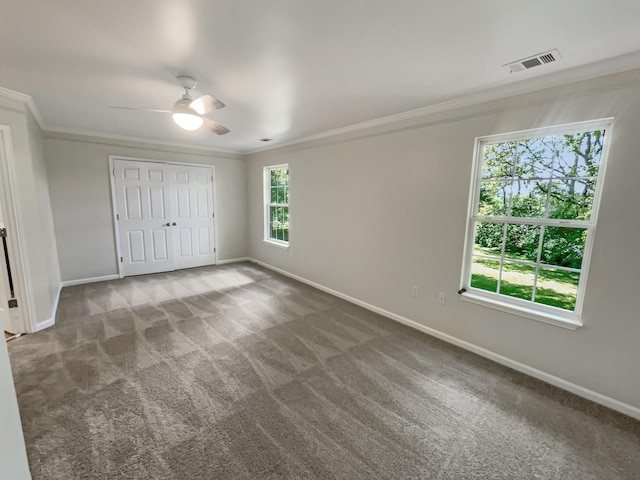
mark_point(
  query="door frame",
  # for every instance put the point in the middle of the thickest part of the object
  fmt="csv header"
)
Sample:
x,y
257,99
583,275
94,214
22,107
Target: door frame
x,y
24,321
114,206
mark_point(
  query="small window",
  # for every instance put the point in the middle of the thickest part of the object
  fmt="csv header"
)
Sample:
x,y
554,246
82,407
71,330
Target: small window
x,y
532,215
276,200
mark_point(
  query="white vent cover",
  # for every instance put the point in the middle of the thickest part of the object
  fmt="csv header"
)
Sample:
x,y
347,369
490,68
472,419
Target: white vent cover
x,y
534,61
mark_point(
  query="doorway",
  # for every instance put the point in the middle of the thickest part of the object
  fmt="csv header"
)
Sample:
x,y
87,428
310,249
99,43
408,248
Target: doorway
x,y
164,215
13,307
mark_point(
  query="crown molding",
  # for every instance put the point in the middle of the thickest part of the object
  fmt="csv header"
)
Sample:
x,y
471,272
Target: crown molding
x,y
135,142
27,101
573,75
603,68
99,137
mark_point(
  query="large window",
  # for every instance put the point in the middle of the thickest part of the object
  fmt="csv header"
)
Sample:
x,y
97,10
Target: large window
x,y
276,200
532,216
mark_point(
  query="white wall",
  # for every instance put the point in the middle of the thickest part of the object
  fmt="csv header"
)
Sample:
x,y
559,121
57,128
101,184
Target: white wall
x,y
13,455
79,177
377,211
33,207
43,258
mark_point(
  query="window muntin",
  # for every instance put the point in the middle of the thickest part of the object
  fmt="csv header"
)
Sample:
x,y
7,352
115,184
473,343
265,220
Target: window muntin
x,y
276,188
532,216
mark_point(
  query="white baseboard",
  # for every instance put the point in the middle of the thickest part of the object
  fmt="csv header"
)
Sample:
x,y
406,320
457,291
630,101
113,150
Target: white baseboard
x,y
233,260
609,402
82,281
50,321
46,324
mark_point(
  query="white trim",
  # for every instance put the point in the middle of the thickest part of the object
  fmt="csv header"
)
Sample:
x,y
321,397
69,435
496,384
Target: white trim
x,y
50,321
214,199
561,78
82,281
70,133
562,321
276,243
22,279
27,100
527,308
266,194
114,204
114,213
233,260
45,324
609,402
611,66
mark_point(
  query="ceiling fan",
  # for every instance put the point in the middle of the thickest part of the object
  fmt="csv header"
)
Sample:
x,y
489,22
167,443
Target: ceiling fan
x,y
188,113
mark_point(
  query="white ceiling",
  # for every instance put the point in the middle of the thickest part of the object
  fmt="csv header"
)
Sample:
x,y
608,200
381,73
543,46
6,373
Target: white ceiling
x,y
288,69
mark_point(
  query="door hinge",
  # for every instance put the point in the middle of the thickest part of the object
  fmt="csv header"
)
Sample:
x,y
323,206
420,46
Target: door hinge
x,y
13,303
114,172
213,215
3,233
120,259
214,250
117,216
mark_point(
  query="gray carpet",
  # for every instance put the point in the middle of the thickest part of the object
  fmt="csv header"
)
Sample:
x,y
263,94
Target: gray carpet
x,y
235,372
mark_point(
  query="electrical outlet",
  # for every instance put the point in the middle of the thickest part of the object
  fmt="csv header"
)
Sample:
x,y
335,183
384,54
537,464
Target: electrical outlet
x,y
415,292
441,298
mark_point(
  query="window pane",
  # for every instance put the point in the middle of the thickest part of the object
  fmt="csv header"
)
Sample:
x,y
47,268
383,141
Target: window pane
x,y
498,160
535,157
277,216
484,274
579,154
557,288
517,280
572,199
563,246
494,198
280,224
285,223
529,198
522,242
489,238
273,221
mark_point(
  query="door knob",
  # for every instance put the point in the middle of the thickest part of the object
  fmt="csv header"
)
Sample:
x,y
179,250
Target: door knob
x,y
174,224
168,225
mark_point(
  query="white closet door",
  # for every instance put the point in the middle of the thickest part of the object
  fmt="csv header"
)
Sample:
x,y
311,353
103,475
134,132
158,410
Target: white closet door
x,y
143,197
193,215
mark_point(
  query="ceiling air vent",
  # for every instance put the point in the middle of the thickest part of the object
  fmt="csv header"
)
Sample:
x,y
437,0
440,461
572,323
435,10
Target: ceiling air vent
x,y
534,61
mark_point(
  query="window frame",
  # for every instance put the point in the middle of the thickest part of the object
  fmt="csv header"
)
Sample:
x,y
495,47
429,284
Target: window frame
x,y
527,308
268,204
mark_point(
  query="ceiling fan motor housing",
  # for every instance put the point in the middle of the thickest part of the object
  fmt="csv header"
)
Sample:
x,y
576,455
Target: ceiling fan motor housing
x,y
182,105
187,82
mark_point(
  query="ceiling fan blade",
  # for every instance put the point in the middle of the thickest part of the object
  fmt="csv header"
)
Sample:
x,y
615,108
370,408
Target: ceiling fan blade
x,y
215,127
141,109
206,104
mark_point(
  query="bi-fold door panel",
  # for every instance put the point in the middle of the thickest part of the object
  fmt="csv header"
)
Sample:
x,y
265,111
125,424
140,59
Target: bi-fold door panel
x,y
165,216
143,196
194,216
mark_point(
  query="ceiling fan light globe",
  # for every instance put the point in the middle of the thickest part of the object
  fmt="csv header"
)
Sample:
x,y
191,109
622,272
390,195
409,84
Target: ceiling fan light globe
x,y
188,121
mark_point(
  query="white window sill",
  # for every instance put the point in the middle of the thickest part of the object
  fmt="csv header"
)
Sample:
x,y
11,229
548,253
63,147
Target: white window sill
x,y
276,243
570,323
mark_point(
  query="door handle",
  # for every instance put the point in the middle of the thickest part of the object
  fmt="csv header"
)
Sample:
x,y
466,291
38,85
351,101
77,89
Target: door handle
x,y
174,224
167,225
